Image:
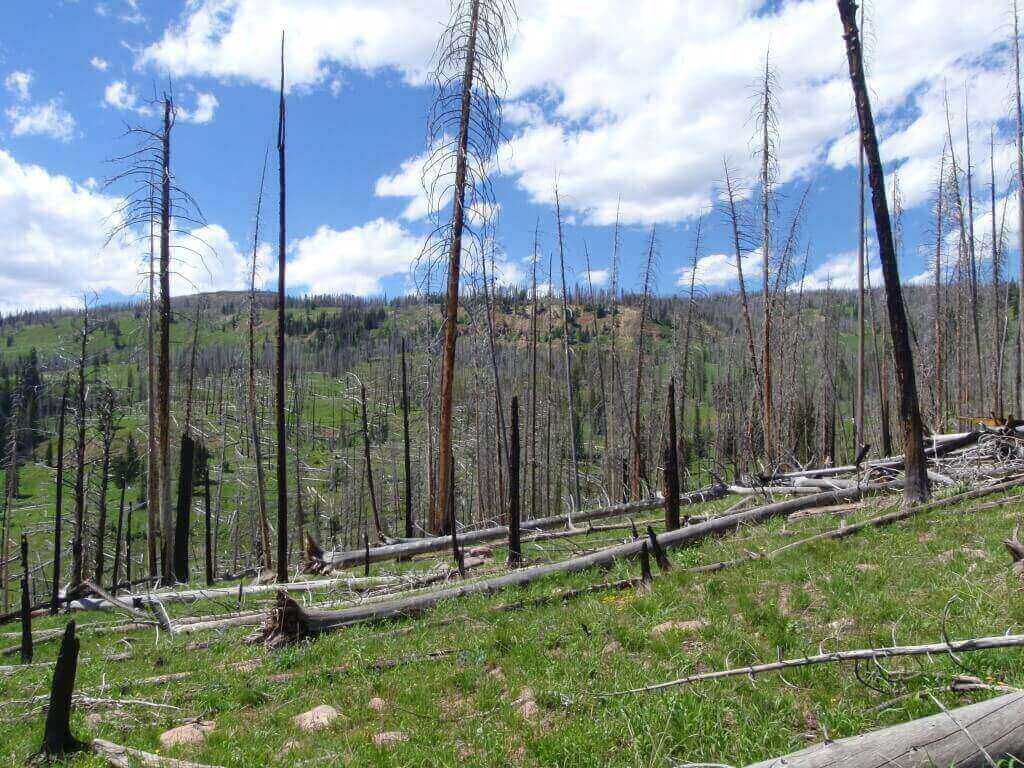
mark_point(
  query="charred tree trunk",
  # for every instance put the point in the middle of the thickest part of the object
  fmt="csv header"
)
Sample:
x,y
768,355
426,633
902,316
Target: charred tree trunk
x,y
58,506
451,318
515,552
57,738
369,465
282,442
671,462
77,550
916,483
407,448
164,356
183,523
26,605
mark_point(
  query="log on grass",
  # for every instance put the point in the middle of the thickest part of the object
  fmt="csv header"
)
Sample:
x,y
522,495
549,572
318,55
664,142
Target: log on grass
x,y
128,757
288,622
967,737
407,549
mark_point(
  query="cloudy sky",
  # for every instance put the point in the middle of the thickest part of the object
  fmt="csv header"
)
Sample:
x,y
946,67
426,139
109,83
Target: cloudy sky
x,y
633,108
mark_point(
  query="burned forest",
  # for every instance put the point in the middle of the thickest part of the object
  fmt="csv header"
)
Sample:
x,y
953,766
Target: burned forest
x,y
583,484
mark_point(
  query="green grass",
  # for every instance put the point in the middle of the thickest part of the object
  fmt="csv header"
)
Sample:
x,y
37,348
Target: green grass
x,y
459,710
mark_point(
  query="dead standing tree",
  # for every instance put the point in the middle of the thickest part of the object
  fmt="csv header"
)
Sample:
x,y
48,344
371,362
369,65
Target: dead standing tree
x,y
282,442
916,479
464,130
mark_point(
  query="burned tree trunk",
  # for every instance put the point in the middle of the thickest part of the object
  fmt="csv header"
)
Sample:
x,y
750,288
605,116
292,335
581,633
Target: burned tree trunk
x,y
282,442
77,553
183,523
369,466
407,452
515,552
671,462
26,605
164,356
58,506
916,483
57,738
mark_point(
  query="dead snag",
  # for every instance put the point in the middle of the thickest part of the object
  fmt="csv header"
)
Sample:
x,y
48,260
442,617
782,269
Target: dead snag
x,y
915,487
660,557
279,393
59,500
515,550
57,738
26,606
313,555
645,566
409,532
671,462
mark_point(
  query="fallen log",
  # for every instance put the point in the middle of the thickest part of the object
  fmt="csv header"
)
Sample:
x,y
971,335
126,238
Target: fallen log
x,y
968,737
288,621
123,757
874,522
861,654
194,595
407,549
937,446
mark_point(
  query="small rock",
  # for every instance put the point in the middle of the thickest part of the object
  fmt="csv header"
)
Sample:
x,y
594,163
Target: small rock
x,y
389,738
946,557
841,625
924,537
497,673
377,704
317,718
248,665
190,733
526,705
482,551
975,554
678,626
865,567
613,647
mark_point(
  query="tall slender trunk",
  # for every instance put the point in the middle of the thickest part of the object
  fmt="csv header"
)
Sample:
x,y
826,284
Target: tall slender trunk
x,y
407,448
152,462
766,233
533,375
638,457
164,357
515,554
940,409
282,442
451,319
77,550
671,462
369,466
916,477
576,499
975,309
58,506
1019,118
997,362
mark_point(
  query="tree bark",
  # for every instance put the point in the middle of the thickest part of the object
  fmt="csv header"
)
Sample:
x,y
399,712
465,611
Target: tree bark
x,y
451,320
916,482
671,462
515,552
282,441
966,737
58,506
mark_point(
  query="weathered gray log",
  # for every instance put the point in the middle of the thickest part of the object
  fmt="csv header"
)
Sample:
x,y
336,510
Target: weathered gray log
x,y
288,622
128,757
406,549
962,738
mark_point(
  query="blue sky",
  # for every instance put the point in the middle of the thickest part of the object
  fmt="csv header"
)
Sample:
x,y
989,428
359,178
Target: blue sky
x,y
635,113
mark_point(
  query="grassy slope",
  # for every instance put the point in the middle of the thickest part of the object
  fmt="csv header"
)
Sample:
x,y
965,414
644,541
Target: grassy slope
x,y
460,711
